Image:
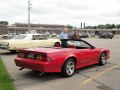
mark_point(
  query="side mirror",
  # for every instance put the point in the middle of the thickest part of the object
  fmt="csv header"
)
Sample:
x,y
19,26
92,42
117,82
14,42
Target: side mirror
x,y
93,47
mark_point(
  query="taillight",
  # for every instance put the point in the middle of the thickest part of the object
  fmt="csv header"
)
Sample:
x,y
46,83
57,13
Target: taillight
x,y
43,58
21,55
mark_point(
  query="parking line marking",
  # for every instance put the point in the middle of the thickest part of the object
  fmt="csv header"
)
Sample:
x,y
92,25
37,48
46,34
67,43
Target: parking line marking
x,y
99,74
95,76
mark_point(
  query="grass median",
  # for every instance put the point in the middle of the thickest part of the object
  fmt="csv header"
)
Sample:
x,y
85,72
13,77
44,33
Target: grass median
x,y
5,80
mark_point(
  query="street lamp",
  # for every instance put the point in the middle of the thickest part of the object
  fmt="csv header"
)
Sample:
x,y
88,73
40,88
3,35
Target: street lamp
x,y
29,8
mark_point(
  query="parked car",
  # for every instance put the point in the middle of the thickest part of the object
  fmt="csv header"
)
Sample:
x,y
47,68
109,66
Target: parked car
x,y
46,34
31,32
91,35
106,35
8,36
26,41
77,54
53,35
84,35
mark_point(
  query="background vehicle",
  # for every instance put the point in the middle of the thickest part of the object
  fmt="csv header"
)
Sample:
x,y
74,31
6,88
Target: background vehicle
x,y
106,35
53,34
9,36
78,53
84,35
32,32
91,35
26,41
47,34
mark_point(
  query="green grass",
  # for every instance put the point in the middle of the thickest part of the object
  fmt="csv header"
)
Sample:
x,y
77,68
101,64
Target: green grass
x,y
5,80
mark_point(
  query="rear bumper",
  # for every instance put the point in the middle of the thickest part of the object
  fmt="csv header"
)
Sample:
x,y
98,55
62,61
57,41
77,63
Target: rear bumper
x,y
36,65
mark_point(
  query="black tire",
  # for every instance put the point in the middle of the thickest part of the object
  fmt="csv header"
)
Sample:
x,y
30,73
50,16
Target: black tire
x,y
5,37
103,57
68,68
111,37
13,51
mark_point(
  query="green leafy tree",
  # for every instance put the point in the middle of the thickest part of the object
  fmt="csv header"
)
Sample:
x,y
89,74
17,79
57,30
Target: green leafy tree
x,y
4,22
113,26
118,26
101,26
69,26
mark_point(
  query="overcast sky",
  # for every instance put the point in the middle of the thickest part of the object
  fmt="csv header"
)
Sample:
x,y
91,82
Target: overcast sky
x,y
92,12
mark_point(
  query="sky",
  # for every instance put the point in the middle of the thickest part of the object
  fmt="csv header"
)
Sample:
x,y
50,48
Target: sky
x,y
73,12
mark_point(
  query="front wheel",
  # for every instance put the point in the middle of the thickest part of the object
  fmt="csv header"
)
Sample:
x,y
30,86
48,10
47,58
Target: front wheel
x,y
102,60
68,68
5,37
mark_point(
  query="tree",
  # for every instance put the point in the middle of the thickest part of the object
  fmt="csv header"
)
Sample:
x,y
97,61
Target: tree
x,y
113,26
108,26
69,26
118,26
101,26
4,22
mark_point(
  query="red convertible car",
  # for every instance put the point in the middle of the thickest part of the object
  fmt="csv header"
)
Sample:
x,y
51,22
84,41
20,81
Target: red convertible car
x,y
66,57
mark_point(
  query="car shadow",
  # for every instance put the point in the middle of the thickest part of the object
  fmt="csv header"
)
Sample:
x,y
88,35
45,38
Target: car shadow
x,y
29,77
93,68
7,53
37,77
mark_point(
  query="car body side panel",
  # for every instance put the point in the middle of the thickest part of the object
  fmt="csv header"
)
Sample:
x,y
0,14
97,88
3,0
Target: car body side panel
x,y
59,57
20,44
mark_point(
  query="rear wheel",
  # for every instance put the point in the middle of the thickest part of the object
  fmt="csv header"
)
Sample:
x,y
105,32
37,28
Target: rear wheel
x,y
102,60
68,68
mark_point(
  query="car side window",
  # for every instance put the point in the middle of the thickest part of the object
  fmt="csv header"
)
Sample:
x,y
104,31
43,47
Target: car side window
x,y
38,37
83,44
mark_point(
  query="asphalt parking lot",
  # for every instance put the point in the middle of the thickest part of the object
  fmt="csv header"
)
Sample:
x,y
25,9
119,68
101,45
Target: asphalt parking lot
x,y
93,77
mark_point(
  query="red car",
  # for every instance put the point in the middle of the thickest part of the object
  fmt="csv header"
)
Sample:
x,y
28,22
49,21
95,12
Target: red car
x,y
65,57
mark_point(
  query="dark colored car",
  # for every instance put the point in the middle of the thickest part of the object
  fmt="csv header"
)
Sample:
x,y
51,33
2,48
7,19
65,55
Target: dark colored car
x,y
106,35
84,35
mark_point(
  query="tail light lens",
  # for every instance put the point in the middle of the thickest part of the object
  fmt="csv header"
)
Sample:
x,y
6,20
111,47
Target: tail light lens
x,y
21,55
38,57
43,58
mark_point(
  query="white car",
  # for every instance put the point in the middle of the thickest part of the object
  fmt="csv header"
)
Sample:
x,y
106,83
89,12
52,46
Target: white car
x,y
26,41
9,35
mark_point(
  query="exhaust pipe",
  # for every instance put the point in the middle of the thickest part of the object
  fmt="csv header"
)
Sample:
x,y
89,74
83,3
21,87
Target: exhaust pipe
x,y
21,68
41,73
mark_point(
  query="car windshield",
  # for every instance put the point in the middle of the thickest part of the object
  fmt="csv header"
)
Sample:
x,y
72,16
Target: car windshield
x,y
20,37
76,43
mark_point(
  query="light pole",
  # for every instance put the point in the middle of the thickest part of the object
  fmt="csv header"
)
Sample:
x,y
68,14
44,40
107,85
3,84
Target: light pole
x,y
29,8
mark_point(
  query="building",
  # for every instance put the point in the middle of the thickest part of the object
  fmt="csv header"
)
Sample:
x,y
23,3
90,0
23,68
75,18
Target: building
x,y
41,28
22,28
3,29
